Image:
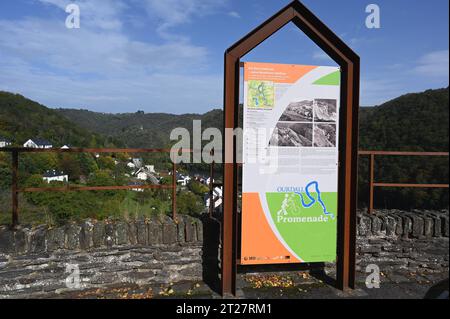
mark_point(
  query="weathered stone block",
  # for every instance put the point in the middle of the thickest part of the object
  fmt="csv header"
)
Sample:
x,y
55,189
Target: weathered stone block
x,y
21,240
181,235
6,240
190,229
141,277
399,224
121,233
155,232
437,225
199,229
364,227
392,248
109,234
417,226
445,226
98,234
142,232
38,239
428,226
376,225
391,225
55,239
73,232
87,235
132,233
407,226
169,232
370,249
191,273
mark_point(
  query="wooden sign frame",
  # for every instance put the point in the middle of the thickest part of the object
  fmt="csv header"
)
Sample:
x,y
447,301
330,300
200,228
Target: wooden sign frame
x,y
349,62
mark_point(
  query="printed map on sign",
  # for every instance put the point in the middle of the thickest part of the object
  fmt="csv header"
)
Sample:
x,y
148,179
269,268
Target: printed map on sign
x,y
261,94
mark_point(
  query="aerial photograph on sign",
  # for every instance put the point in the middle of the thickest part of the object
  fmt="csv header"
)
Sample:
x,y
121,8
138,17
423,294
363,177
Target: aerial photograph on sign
x,y
298,112
325,110
243,153
325,135
292,134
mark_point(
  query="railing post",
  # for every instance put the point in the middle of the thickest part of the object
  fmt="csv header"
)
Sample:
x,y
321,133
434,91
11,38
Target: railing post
x,y
174,191
371,182
15,189
211,187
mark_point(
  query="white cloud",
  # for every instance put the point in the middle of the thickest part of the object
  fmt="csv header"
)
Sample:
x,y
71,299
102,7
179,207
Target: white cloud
x,y
434,64
85,50
175,93
99,66
171,13
234,14
102,14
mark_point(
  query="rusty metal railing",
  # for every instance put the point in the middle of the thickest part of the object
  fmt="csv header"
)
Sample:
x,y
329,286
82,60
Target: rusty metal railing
x,y
373,184
173,186
68,188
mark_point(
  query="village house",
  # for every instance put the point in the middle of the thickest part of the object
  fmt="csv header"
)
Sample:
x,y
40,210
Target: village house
x,y
4,142
55,176
145,173
37,143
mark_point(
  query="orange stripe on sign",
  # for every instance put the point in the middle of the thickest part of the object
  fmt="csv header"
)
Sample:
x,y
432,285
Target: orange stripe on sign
x,y
259,243
278,73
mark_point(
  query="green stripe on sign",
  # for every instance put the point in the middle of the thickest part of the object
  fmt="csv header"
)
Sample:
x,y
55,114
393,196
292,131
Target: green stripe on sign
x,y
330,79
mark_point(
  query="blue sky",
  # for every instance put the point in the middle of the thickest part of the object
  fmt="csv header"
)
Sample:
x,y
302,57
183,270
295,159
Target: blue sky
x,y
167,55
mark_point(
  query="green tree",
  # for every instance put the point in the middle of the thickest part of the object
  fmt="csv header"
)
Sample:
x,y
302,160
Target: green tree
x,y
70,165
87,163
189,203
198,188
38,163
106,162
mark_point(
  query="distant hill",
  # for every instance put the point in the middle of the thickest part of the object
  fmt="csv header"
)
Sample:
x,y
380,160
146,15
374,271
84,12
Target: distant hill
x,y
416,121
22,119
413,122
147,130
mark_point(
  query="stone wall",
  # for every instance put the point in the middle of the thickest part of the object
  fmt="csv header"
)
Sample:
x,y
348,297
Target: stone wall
x,y
154,251
394,239
159,251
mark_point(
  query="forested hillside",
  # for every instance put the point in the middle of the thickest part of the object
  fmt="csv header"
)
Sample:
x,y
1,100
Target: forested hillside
x,y
416,121
413,122
22,119
140,129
